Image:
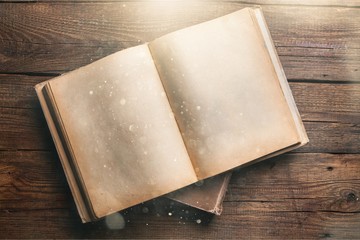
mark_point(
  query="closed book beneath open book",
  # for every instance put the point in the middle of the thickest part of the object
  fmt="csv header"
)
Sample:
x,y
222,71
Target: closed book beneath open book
x,y
152,119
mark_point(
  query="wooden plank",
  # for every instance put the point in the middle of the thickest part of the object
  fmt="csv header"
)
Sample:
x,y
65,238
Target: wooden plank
x,y
242,225
280,197
308,181
336,102
331,114
292,225
332,137
17,91
337,3
24,129
314,43
32,180
27,129
333,3
38,175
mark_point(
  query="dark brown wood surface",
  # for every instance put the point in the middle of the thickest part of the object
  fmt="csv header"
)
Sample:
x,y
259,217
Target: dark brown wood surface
x,y
311,193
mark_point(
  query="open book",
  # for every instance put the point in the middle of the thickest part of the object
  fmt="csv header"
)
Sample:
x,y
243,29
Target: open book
x,y
155,118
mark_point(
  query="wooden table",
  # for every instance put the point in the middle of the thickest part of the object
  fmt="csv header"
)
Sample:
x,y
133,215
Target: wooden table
x,y
310,193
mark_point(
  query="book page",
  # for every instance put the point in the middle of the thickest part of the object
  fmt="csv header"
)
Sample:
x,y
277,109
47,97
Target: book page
x,y
121,131
224,92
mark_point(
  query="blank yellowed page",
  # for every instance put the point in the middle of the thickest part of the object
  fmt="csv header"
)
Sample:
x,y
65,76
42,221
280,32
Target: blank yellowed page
x,y
122,131
224,92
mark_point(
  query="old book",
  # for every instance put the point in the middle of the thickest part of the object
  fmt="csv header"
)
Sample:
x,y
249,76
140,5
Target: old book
x,y
206,195
152,119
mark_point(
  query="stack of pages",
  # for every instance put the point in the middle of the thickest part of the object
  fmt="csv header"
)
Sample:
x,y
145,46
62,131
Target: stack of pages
x,y
188,106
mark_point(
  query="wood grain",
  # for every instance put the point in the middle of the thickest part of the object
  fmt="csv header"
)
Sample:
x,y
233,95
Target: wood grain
x,y
312,193
17,91
332,3
331,113
314,43
26,129
306,197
